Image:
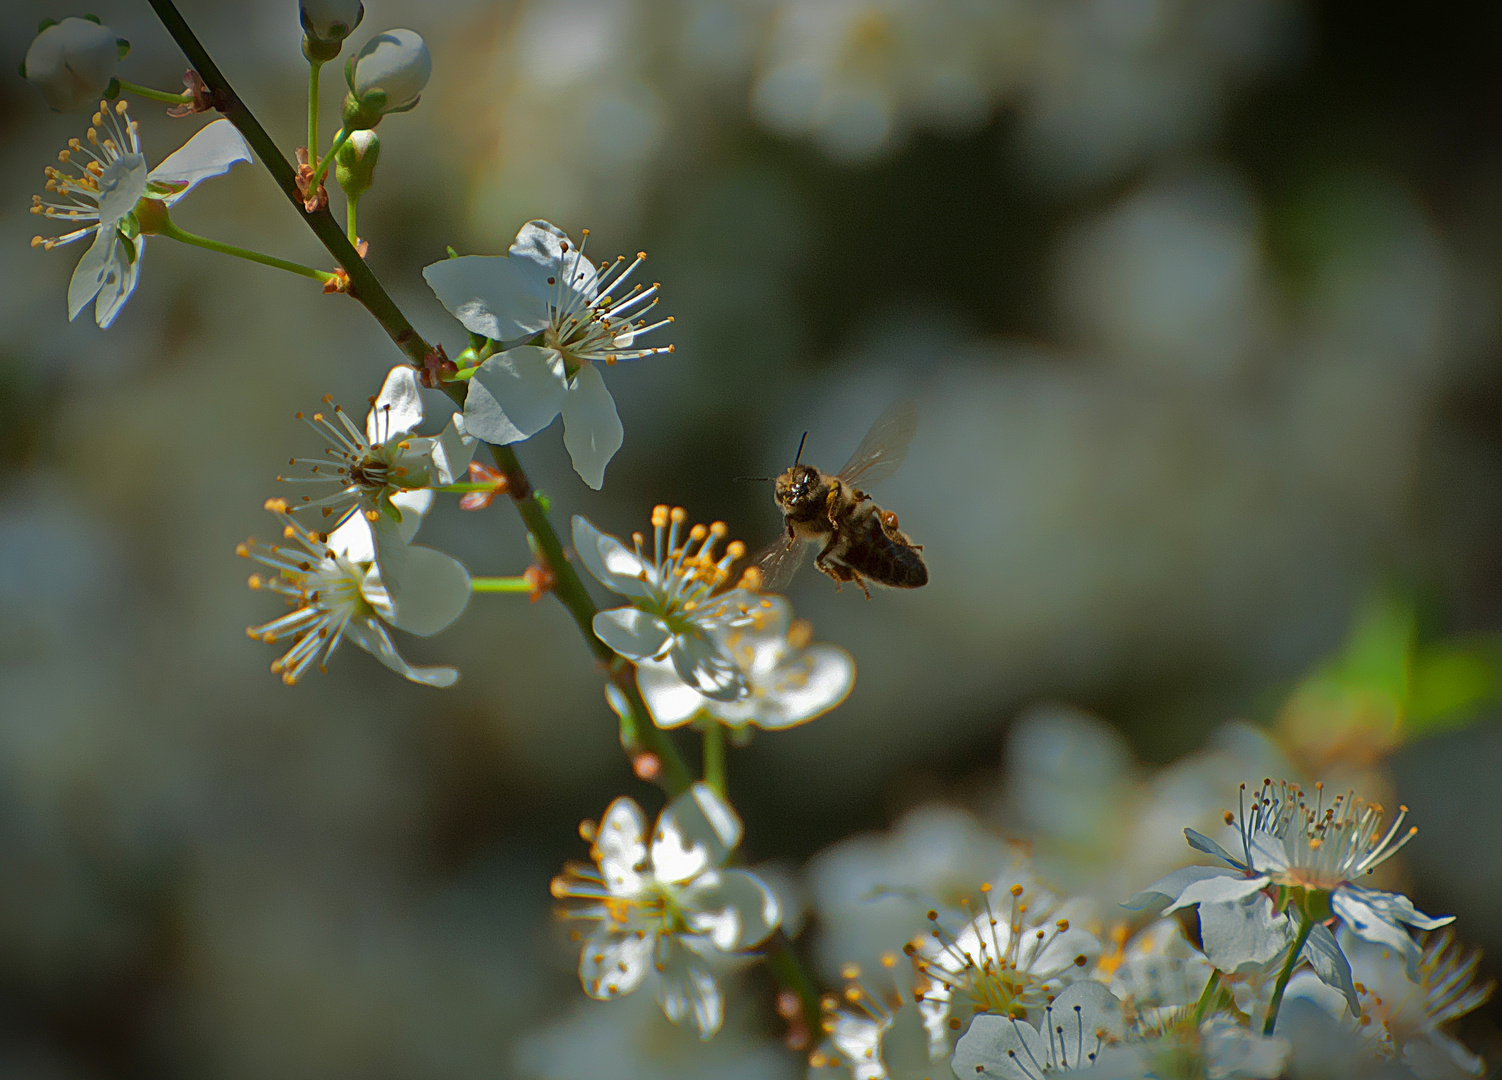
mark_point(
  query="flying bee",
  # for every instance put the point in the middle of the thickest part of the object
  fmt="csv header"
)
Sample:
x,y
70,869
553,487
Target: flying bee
x,y
861,540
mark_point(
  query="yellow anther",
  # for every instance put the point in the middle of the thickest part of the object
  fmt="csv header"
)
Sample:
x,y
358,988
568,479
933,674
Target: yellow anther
x,y
698,532
735,550
719,528
276,506
1016,890
121,106
850,971
659,516
678,515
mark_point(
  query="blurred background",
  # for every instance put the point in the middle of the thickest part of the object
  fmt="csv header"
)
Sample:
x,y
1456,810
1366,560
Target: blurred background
x,y
1199,299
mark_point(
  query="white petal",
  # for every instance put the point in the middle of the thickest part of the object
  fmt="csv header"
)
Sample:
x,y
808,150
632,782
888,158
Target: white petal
x,y
515,394
632,633
371,636
672,701
212,151
994,1046
591,429
88,275
121,275
1087,1012
496,297
547,252
414,506
689,991
695,832
1331,965
452,452
733,907
1364,914
805,687
1200,842
1243,935
121,186
612,563
700,663
1436,1056
428,589
1233,1051
612,964
1171,888
621,847
354,540
398,407
1061,952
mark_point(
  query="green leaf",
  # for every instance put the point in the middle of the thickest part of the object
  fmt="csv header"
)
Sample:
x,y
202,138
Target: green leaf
x,y
122,47
1453,684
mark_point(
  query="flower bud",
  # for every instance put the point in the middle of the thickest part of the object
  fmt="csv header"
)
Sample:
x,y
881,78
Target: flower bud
x,y
354,164
387,76
73,63
330,21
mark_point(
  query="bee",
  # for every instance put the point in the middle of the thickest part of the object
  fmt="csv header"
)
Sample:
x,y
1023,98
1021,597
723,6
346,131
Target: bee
x,y
861,540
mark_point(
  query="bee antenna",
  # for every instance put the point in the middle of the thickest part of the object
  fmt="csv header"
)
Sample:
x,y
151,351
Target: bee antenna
x,y
799,455
738,479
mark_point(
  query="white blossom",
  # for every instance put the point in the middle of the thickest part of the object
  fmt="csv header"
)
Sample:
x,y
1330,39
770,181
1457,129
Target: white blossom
x,y
336,595
390,72
545,289
663,901
1069,1037
95,188
676,603
72,63
330,20
1219,1048
790,681
1007,960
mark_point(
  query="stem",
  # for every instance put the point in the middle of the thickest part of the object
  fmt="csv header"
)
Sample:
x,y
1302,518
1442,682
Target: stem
x,y
364,286
788,970
314,67
714,756
500,585
1306,925
350,203
328,159
1211,991
154,95
172,232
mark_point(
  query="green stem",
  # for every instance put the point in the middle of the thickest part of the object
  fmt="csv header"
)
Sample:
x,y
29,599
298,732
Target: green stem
x,y
350,203
364,285
314,67
788,970
172,232
328,159
500,584
714,757
1211,991
154,95
1306,925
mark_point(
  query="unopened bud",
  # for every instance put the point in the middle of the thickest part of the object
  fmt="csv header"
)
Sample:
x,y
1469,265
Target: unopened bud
x,y
354,164
330,21
386,76
73,63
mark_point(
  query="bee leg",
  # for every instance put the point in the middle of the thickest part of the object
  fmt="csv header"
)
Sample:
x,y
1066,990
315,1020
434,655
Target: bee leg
x,y
861,582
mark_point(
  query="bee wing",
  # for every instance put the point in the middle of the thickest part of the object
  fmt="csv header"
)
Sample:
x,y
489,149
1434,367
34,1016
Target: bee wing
x,y
779,562
885,445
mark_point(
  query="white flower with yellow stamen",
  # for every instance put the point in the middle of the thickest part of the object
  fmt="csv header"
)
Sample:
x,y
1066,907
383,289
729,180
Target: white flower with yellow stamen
x,y
73,62
1071,1032
676,604
790,681
94,191
563,316
1003,963
335,596
663,902
386,469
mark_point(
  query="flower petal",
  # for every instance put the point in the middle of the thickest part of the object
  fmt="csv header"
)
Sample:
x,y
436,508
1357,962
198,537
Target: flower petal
x,y
496,297
591,429
615,963
634,634
672,701
370,635
733,907
515,394
621,846
805,687
689,990
1200,842
88,275
1171,888
612,563
1372,916
545,251
428,589
1243,935
398,407
212,151
452,451
121,275
1088,1013
700,663
695,832
1331,965
999,1046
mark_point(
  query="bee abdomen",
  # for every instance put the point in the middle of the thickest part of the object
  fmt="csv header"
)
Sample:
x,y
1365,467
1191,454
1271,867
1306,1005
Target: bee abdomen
x,y
885,555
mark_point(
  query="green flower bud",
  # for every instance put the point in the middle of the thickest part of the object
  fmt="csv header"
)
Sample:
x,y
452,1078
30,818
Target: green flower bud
x,y
73,63
386,76
354,164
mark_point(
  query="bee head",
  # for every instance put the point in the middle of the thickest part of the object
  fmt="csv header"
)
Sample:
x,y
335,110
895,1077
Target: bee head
x,y
799,489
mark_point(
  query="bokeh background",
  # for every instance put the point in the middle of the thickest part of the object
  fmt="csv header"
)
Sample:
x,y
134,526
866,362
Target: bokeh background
x,y
1199,299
